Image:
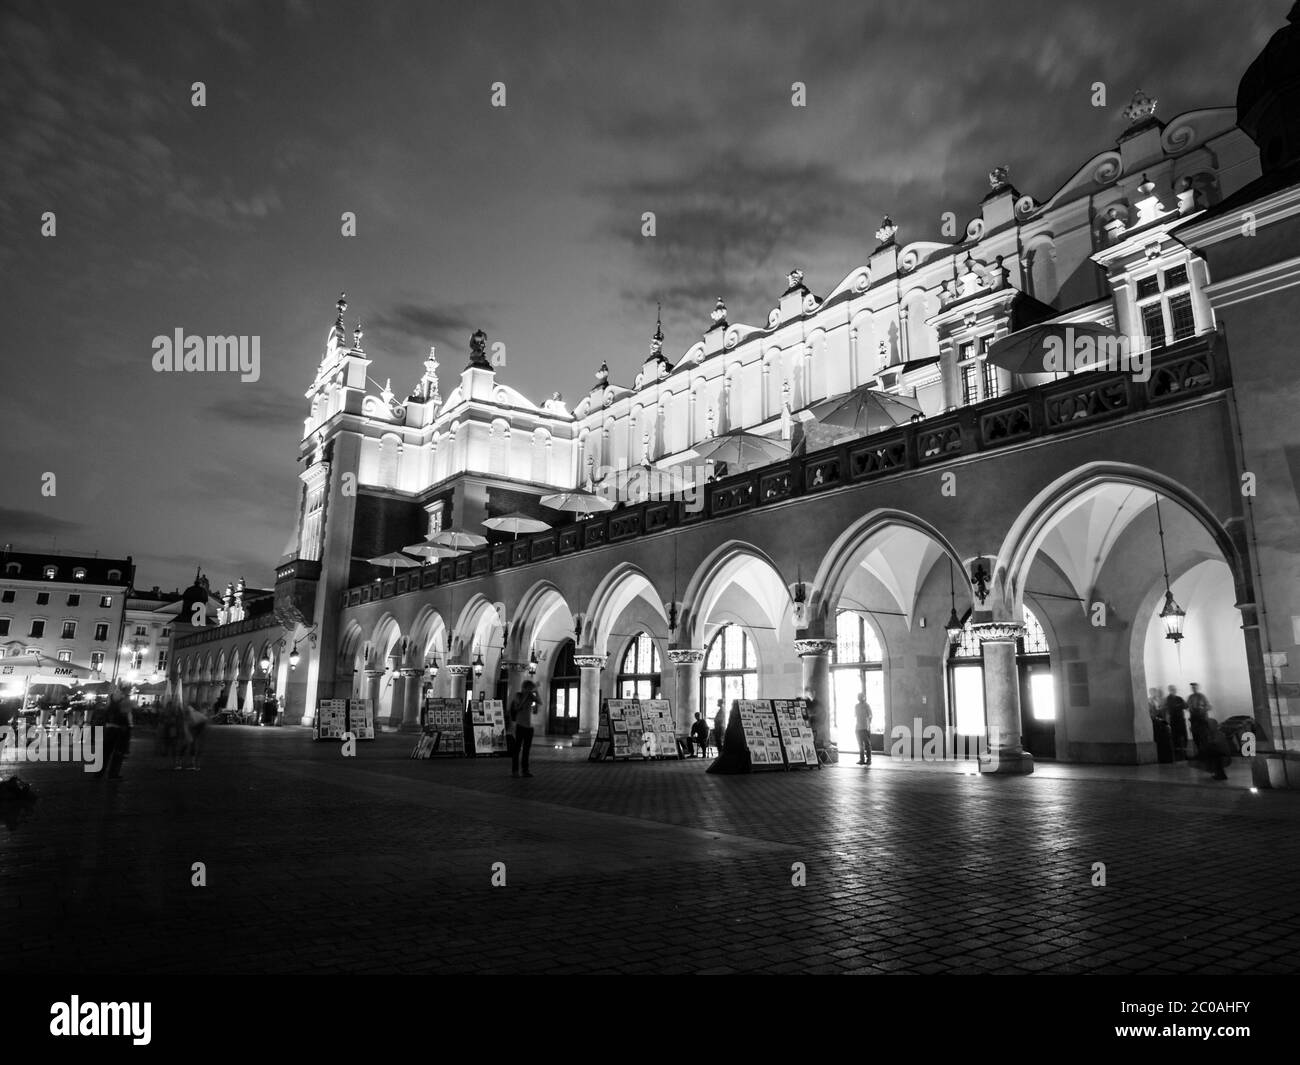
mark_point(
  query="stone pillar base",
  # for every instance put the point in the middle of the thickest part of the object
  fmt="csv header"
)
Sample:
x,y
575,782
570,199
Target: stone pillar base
x,y
1276,770
582,738
1007,763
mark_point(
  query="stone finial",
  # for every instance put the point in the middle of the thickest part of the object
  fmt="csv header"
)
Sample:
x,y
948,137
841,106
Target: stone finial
x,y
795,277
342,306
1140,108
602,373
657,341
999,177
885,234
719,313
357,334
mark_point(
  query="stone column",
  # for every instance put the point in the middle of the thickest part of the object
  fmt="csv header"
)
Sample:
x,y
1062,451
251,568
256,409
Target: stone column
x,y
410,717
815,655
589,665
374,678
1004,753
457,677
686,687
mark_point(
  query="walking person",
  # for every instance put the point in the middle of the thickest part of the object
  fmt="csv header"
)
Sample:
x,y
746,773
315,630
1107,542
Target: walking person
x,y
719,726
1175,708
522,708
862,721
1211,746
118,720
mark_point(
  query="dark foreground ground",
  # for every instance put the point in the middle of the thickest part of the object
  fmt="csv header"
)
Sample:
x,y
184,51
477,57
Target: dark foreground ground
x,y
320,864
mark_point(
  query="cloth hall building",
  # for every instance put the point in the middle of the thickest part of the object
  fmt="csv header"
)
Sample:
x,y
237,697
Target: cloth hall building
x,y
1072,517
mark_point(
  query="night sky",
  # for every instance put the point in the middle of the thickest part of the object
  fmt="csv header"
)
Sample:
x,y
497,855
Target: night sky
x,y
524,220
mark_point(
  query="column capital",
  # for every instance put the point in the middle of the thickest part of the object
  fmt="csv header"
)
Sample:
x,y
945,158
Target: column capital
x,y
459,669
685,656
374,673
409,672
804,648
516,667
997,630
590,661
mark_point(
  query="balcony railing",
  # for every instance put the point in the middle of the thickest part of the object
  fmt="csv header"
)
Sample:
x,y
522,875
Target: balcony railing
x,y
1080,401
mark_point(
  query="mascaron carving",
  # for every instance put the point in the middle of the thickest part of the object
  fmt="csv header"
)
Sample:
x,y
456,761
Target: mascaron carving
x,y
590,661
685,656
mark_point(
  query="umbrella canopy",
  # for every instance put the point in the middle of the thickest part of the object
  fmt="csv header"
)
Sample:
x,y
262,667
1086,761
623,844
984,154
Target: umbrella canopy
x,y
637,483
41,670
394,559
248,697
458,539
180,692
866,411
583,503
431,550
516,523
232,697
743,449
1054,348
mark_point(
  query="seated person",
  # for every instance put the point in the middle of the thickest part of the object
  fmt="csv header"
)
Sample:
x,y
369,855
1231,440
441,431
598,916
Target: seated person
x,y
699,735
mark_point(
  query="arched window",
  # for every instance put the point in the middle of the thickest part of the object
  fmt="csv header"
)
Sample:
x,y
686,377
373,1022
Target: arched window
x,y
730,669
639,672
857,667
566,683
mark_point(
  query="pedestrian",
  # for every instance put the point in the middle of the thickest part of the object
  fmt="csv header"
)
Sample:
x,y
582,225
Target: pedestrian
x,y
117,733
522,708
719,726
1160,727
1211,744
862,716
699,735
1175,708
814,715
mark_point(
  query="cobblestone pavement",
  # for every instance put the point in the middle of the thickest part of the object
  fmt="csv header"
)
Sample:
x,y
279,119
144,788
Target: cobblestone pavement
x,y
320,864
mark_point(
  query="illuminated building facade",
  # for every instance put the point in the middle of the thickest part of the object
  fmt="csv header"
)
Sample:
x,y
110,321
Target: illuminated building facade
x,y
1098,529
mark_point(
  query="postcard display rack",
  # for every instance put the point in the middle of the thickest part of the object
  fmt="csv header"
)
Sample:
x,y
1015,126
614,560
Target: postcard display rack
x,y
488,722
635,728
442,730
776,733
334,717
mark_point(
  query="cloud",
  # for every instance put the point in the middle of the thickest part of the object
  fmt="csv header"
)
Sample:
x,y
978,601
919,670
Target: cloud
x,y
450,325
36,526
258,408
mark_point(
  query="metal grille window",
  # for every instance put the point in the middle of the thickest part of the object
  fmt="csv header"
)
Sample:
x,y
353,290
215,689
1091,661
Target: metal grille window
x,y
1175,277
639,673
969,384
1148,287
1153,325
1034,641
730,669
990,380
1165,306
1181,318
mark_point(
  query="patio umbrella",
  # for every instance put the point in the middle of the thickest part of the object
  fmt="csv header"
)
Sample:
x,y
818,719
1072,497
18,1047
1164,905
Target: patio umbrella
x,y
1026,351
516,523
458,539
248,697
431,551
866,411
232,698
394,559
583,503
743,449
180,692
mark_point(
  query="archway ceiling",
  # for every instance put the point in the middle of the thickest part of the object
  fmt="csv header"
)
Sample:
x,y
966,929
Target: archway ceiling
x,y
1085,531
900,559
758,580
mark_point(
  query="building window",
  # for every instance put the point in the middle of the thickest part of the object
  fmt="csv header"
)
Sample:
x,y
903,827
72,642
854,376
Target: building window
x,y
4,626
1165,306
13,567
114,575
14,652
162,661
969,384
64,656
69,630
51,572
639,673
7,596
141,630
105,600
857,667
79,574
96,660
990,379
730,669
37,629
74,599
101,632
166,631
42,598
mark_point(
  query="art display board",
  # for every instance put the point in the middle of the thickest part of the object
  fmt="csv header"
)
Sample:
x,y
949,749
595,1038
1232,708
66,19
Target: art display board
x,y
618,726
762,737
361,722
488,722
331,719
658,729
445,719
796,733
426,745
